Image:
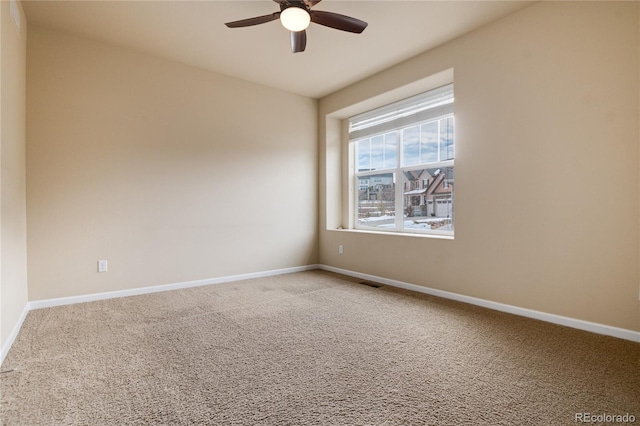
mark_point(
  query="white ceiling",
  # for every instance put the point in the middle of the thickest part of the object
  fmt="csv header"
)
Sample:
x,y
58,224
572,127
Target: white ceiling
x,y
193,32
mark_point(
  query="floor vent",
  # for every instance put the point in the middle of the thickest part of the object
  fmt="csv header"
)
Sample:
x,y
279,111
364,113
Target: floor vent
x,y
370,284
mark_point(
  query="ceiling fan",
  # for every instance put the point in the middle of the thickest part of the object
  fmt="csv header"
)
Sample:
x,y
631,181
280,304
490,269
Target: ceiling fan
x,y
296,15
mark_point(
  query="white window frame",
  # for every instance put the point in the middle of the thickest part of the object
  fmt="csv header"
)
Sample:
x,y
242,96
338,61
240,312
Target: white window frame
x,y
398,171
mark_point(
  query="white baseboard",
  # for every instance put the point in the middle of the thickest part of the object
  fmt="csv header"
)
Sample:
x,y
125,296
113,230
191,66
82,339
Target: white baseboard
x,y
593,327
48,303
14,333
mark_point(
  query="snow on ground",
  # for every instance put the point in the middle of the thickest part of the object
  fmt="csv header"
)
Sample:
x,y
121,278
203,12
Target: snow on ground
x,y
408,223
388,217
376,219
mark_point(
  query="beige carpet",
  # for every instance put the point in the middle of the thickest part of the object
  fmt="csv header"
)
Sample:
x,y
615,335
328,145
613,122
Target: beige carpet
x,y
308,348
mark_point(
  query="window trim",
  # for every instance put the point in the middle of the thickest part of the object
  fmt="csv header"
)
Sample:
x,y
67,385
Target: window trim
x,y
397,171
336,171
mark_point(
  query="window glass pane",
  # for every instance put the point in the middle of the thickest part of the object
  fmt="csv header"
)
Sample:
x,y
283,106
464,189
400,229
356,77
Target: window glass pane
x,y
446,139
377,152
411,146
363,148
428,199
391,150
376,200
429,142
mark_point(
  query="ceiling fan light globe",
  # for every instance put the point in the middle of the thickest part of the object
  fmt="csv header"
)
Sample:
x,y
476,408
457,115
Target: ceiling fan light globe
x,y
295,19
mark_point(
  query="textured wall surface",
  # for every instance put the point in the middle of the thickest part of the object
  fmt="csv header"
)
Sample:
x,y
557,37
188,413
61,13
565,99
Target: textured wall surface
x,y
546,202
169,172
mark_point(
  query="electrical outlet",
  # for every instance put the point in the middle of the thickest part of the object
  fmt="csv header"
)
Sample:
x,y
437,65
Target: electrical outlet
x,y
340,249
102,266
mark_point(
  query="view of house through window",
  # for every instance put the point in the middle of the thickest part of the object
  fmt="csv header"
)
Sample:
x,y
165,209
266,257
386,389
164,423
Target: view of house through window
x,y
404,172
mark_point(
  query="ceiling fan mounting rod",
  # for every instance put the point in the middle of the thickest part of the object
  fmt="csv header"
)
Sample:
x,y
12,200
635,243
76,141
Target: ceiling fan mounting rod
x,y
294,3
303,4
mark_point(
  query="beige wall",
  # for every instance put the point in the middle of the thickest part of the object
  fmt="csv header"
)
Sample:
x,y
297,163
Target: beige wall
x,y
547,161
169,172
13,251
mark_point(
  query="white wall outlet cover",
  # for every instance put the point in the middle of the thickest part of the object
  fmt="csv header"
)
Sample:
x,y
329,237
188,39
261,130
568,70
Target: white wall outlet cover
x,y
102,266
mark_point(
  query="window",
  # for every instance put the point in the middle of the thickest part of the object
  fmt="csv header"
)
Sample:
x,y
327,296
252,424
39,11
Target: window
x,y
403,162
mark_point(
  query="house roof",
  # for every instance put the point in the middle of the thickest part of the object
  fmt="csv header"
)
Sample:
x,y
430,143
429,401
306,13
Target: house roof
x,y
433,185
417,191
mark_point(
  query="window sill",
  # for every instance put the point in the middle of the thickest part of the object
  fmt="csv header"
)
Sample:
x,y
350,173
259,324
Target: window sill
x,y
394,234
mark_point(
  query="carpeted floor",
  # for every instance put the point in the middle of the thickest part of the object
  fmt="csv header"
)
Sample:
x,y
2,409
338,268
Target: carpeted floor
x,y
308,348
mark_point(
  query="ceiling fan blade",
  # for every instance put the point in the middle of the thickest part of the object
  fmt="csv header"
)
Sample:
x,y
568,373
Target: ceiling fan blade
x,y
298,41
282,2
337,21
253,21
